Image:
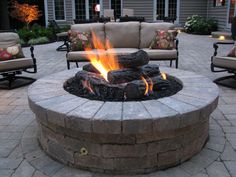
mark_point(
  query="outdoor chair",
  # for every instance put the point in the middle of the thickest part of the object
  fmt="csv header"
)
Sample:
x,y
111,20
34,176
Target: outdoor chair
x,y
133,18
109,13
128,12
225,63
81,21
59,35
13,62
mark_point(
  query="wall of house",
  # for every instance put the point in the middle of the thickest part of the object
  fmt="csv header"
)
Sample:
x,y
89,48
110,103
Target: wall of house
x,y
219,13
106,4
68,15
192,7
141,8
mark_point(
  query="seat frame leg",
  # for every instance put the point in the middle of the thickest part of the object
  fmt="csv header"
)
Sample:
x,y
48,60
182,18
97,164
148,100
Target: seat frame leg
x,y
218,81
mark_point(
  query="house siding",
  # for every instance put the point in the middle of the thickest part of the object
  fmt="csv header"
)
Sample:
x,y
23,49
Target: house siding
x,y
192,7
68,14
69,11
50,10
106,4
141,8
219,13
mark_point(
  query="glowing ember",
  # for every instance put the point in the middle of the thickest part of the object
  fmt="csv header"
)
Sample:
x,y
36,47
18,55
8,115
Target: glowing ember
x,y
103,62
149,86
87,85
163,75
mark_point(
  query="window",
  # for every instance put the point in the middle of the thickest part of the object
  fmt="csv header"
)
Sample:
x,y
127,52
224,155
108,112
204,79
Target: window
x,y
160,9
92,13
59,10
172,9
80,9
116,5
218,3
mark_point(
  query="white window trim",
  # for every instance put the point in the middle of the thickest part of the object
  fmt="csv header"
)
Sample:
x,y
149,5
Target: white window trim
x,y
101,8
46,12
73,9
167,9
54,14
87,9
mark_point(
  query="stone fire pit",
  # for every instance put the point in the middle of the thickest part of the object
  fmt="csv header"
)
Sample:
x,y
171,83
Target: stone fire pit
x,y
123,137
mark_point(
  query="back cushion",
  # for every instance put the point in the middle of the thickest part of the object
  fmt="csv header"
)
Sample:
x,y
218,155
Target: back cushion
x,y
148,31
123,35
8,39
97,28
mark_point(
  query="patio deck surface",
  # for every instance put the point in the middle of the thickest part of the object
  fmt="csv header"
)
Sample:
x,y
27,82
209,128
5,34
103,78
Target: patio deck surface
x,y
21,156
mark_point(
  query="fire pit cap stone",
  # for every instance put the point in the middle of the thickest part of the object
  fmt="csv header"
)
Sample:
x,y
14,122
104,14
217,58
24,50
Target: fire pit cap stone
x,y
55,106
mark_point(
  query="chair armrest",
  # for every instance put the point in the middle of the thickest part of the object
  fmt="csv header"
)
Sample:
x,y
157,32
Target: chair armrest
x,y
216,46
33,58
176,43
67,47
177,46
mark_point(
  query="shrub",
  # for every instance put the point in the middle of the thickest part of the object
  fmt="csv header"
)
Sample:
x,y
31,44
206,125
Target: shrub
x,y
26,34
198,25
39,40
33,34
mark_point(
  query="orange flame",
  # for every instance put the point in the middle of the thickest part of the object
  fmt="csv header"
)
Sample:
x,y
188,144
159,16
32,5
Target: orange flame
x,y
163,75
86,84
149,85
103,62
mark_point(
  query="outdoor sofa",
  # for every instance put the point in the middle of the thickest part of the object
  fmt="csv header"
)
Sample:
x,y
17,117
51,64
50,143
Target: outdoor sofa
x,y
126,38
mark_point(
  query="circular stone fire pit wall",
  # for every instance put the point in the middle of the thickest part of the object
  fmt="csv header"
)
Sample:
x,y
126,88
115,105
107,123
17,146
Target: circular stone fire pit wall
x,y
123,137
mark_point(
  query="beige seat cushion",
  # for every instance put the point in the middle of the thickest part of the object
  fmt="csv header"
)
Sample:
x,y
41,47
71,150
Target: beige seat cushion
x,y
123,35
83,55
224,62
62,34
97,28
147,32
161,54
15,64
8,39
122,51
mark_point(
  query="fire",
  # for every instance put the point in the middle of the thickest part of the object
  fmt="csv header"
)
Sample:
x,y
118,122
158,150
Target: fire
x,y
87,85
163,75
103,62
149,86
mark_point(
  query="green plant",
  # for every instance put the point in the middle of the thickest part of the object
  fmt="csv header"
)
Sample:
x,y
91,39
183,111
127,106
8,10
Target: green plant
x,y
22,42
35,31
199,25
39,40
26,34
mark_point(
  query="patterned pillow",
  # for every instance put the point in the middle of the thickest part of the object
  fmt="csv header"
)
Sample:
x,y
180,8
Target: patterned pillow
x,y
232,52
11,52
164,40
79,41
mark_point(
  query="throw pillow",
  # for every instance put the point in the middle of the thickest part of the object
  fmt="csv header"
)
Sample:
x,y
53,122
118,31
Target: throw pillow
x,y
12,52
232,52
79,41
164,40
